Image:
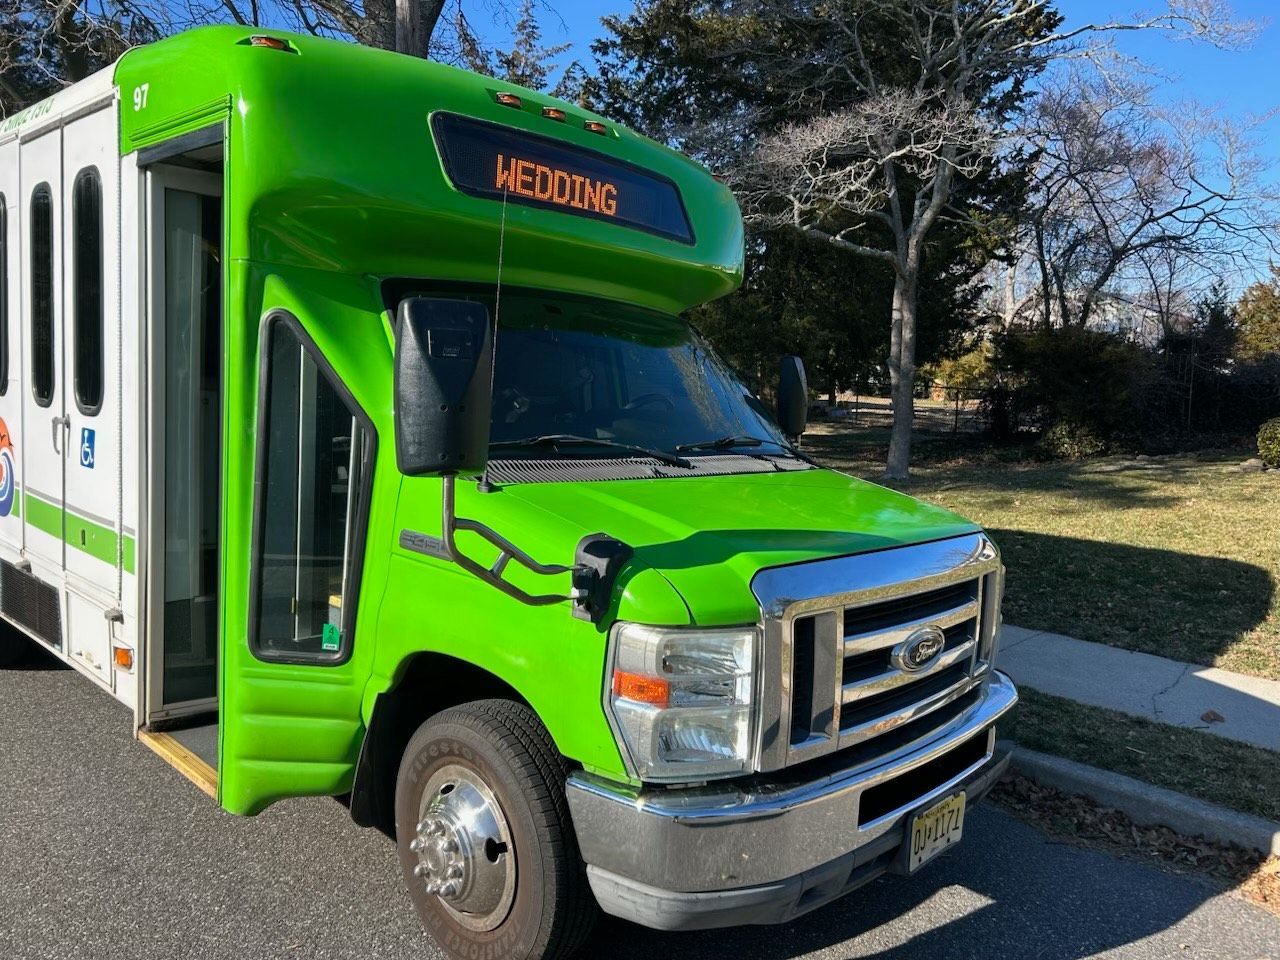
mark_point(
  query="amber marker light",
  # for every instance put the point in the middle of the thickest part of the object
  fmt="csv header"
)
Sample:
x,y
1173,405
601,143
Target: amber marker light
x,y
271,43
123,657
595,126
553,113
641,689
507,99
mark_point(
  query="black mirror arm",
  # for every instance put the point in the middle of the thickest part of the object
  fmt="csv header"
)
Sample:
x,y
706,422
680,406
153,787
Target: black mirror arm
x,y
451,523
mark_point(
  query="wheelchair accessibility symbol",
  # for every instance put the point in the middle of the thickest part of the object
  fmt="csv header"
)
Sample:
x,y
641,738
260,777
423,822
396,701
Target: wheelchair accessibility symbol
x,y
87,439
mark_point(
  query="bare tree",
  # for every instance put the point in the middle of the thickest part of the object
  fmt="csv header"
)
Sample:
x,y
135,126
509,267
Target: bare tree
x,y
48,44
1125,191
878,176
831,176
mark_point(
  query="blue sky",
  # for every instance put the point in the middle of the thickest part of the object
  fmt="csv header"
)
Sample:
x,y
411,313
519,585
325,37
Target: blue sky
x,y
1240,82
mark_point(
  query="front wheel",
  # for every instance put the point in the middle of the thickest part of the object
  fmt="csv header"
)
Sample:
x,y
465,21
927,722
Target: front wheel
x,y
485,840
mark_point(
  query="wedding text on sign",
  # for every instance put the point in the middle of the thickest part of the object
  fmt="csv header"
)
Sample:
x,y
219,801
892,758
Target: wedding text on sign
x,y
536,180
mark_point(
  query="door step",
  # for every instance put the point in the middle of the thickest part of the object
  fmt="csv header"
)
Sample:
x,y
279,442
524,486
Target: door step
x,y
183,760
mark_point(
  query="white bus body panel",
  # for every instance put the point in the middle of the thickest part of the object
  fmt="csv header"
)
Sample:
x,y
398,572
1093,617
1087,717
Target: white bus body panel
x,y
95,563
41,437
11,540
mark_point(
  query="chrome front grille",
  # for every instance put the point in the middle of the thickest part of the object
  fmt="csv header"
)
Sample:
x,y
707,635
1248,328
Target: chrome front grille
x,y
836,635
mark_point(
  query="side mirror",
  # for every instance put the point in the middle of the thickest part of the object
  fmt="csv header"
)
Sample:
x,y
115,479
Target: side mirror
x,y
443,386
793,396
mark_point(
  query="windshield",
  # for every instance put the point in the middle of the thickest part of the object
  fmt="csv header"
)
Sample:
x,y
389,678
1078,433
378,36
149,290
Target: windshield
x,y
587,370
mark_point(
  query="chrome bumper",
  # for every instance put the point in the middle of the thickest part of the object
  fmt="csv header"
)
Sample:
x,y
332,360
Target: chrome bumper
x,y
711,856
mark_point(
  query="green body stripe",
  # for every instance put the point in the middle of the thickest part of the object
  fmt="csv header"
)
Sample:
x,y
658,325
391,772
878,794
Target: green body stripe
x,y
84,535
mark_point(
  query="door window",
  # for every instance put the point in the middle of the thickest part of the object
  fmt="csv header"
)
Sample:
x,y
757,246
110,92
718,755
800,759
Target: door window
x,y
86,220
192,442
314,469
42,295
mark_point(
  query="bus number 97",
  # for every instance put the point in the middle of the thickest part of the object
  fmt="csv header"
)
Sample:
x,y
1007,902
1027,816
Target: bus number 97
x,y
140,96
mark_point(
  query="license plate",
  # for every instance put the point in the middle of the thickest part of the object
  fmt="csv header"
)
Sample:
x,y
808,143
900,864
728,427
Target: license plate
x,y
935,829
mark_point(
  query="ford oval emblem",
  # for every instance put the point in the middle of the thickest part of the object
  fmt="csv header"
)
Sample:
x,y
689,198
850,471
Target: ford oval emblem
x,y
920,649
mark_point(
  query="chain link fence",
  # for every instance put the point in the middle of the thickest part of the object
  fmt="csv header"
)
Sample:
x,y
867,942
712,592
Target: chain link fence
x,y
939,408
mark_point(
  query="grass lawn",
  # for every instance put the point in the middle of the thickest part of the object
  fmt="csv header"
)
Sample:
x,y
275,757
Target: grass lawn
x,y
1215,769
1176,556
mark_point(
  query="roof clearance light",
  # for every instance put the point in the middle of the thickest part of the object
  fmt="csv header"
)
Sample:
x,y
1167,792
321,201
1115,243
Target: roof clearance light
x,y
507,99
273,43
553,113
595,126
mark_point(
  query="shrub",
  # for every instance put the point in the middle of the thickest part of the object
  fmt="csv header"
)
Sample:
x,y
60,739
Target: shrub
x,y
1072,440
1079,388
1269,443
966,374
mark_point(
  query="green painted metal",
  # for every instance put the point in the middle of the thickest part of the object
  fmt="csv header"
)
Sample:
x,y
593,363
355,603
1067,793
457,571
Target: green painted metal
x,y
332,185
80,533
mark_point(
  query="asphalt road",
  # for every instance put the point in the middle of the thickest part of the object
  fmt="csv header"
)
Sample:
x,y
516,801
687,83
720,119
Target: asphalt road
x,y
105,852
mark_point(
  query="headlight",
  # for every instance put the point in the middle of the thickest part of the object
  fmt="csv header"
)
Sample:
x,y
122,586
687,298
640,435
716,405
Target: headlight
x,y
681,699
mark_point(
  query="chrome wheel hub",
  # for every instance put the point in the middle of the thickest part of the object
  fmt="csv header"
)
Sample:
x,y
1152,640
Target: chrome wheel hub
x,y
464,849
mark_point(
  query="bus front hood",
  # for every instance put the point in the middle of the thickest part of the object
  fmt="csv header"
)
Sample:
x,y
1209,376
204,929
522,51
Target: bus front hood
x,y
709,536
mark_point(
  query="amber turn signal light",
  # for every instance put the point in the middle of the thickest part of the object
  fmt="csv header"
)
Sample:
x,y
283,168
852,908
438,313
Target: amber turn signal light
x,y
641,689
123,657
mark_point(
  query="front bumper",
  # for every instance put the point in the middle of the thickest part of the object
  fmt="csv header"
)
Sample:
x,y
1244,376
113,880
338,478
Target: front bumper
x,y
727,855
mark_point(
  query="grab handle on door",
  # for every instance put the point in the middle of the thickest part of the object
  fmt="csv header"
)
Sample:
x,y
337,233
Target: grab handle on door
x,y
65,423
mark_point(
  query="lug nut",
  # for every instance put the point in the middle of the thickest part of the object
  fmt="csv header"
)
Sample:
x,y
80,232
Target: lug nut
x,y
451,845
416,844
455,872
420,870
450,890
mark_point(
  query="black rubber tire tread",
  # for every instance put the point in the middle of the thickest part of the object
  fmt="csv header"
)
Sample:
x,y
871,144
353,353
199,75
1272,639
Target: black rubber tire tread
x,y
523,743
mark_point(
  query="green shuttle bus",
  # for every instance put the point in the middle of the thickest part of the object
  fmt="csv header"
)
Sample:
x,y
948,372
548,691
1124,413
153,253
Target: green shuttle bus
x,y
350,435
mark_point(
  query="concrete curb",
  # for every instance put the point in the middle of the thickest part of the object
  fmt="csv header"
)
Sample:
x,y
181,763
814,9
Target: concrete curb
x,y
1145,804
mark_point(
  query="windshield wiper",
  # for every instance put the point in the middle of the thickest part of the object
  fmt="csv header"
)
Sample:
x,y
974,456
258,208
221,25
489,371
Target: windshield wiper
x,y
724,443
570,440
728,443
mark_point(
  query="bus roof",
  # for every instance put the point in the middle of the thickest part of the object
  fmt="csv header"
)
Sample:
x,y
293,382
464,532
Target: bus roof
x,y
331,162
91,90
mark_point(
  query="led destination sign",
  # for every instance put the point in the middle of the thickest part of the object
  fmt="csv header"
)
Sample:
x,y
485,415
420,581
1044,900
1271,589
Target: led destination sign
x,y
492,161
534,181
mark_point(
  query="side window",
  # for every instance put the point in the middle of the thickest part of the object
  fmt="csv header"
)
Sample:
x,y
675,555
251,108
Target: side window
x,y
315,457
42,295
4,296
86,220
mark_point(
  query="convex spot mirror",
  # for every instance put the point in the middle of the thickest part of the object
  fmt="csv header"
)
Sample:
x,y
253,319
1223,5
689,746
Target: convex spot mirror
x,y
793,397
443,386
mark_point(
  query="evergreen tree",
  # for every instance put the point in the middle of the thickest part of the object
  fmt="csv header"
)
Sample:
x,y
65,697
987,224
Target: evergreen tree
x,y
528,62
714,77
1259,317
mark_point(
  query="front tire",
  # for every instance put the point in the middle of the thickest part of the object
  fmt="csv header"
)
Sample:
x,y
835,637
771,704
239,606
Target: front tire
x,y
486,844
